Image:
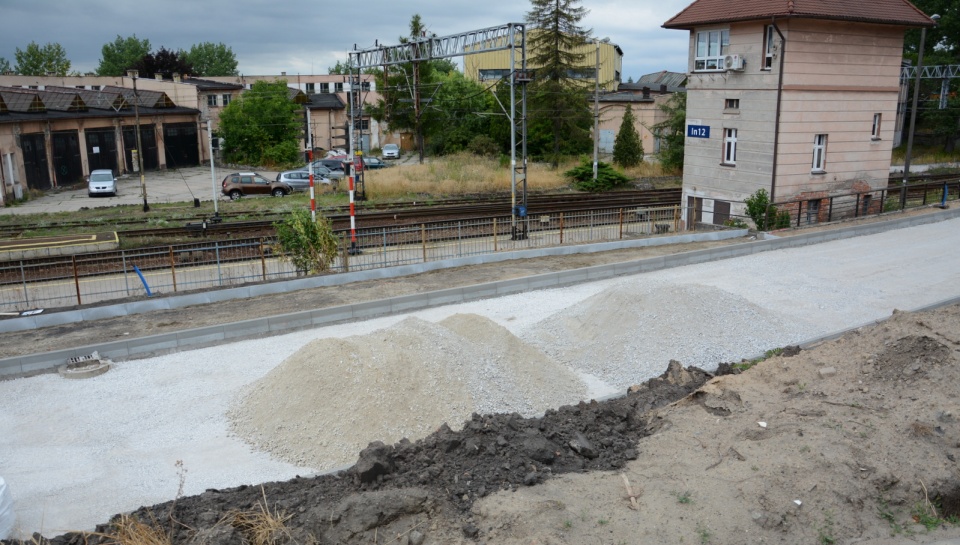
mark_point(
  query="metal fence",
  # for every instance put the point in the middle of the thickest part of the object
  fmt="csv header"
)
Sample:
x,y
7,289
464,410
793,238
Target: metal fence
x,y
92,278
812,210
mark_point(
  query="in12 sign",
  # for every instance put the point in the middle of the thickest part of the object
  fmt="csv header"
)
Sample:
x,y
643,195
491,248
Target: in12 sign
x,y
698,131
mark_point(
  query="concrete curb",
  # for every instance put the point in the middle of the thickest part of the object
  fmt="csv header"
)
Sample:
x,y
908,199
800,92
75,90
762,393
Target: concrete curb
x,y
218,334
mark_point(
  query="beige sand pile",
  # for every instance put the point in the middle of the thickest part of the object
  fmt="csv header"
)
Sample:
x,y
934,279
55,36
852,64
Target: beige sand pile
x,y
325,403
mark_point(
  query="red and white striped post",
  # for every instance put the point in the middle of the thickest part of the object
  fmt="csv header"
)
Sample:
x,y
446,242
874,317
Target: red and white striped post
x,y
353,212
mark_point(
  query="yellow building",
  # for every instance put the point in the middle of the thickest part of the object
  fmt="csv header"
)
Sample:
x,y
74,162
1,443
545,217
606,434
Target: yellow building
x,y
493,65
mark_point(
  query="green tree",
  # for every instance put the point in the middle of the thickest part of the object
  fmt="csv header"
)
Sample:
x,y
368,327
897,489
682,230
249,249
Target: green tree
x,y
627,147
165,62
944,124
453,120
672,131
5,66
262,126
942,45
311,246
408,88
38,60
211,59
121,54
558,105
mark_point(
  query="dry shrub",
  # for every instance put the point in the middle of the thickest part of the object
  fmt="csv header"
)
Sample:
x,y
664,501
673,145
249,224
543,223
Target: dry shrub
x,y
262,527
128,530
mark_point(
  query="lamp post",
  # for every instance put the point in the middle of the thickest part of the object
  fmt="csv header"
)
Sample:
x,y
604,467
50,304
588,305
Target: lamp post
x,y
596,107
133,74
913,114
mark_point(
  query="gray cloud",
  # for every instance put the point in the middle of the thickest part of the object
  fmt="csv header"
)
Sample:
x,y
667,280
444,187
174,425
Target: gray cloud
x,y
296,36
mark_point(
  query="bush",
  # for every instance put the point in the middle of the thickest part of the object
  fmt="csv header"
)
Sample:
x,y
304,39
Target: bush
x,y
764,215
483,146
309,245
607,177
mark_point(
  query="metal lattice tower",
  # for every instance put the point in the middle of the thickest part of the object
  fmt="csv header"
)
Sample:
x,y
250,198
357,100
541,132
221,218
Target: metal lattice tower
x,y
511,36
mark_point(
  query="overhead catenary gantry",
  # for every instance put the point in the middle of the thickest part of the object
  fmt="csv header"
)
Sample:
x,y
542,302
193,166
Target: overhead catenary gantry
x,y
510,36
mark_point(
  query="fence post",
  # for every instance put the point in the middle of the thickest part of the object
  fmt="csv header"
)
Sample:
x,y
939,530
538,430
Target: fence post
x,y
561,227
173,270
216,247
423,239
621,224
23,280
676,218
384,251
494,234
345,256
76,278
263,261
459,239
126,281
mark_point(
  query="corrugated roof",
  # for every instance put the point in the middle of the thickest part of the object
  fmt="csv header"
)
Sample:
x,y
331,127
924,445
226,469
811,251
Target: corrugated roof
x,y
208,85
22,100
148,99
327,101
893,12
64,101
3,106
96,99
663,77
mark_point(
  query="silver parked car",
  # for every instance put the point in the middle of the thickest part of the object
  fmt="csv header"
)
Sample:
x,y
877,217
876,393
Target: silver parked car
x,y
101,182
319,168
391,151
299,180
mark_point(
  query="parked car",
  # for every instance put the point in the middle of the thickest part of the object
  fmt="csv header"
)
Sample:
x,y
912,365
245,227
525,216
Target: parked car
x,y
101,182
373,162
299,180
240,184
333,164
391,151
318,168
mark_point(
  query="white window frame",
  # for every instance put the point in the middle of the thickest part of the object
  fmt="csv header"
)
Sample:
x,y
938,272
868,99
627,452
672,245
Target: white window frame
x,y
819,154
731,104
875,131
310,87
709,48
226,100
730,146
769,48
212,101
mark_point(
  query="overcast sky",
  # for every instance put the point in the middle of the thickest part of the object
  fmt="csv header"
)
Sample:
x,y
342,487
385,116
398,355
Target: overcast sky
x,y
296,36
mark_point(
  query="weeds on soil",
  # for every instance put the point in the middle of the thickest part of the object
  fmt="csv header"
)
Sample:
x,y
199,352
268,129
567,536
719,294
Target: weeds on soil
x,y
747,364
262,527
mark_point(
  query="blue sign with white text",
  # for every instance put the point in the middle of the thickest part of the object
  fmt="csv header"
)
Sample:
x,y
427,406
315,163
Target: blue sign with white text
x,y
698,131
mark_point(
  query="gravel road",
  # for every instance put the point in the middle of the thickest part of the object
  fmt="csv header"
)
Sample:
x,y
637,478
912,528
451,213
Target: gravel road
x,y
76,452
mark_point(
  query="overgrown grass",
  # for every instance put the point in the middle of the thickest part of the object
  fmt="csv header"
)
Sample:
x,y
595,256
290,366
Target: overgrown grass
x,y
922,155
747,364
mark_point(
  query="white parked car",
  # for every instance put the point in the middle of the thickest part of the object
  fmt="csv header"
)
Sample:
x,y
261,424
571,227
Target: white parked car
x,y
101,182
391,151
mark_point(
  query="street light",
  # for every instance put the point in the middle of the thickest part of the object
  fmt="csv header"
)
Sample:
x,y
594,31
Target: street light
x,y
596,106
913,114
136,110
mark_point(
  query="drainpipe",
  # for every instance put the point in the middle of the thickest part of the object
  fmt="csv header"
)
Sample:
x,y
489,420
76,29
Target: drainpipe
x,y
776,128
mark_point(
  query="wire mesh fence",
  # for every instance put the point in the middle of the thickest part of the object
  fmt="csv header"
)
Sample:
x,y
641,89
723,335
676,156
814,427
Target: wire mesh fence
x,y
124,274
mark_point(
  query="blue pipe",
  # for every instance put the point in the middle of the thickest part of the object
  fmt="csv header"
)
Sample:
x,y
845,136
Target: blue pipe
x,y
142,279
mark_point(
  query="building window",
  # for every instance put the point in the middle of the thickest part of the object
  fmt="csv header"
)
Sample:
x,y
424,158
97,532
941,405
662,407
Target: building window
x,y
310,87
211,100
95,87
226,99
875,132
768,48
494,73
731,104
729,146
338,87
819,153
365,86
361,124
712,45
813,211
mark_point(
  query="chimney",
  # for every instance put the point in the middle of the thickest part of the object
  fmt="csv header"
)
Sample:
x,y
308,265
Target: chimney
x,y
176,77
283,73
158,76
663,89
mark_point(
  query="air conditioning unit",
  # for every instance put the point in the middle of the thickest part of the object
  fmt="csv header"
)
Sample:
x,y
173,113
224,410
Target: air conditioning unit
x,y
733,62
